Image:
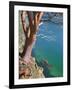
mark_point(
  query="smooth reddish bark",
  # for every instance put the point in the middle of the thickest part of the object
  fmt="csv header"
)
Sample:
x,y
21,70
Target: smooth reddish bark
x,y
30,33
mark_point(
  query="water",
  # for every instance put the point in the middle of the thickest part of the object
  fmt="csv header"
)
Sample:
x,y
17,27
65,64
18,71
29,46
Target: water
x,y
49,46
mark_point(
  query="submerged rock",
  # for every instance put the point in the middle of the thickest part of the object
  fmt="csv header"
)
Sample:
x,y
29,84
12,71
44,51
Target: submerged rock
x,y
30,70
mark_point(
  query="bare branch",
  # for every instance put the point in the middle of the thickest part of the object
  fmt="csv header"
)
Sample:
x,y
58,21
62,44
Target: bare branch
x,y
40,14
30,18
23,16
31,23
37,18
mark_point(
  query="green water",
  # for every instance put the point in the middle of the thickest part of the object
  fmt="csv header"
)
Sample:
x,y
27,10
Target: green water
x,y
49,46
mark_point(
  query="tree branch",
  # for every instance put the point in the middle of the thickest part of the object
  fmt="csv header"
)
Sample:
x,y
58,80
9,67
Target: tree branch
x,y
37,18
23,17
40,14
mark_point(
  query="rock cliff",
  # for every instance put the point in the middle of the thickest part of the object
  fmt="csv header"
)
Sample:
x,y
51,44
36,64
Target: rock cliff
x,y
30,70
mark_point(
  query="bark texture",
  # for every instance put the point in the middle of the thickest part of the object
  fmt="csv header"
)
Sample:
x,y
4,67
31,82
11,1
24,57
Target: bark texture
x,y
30,29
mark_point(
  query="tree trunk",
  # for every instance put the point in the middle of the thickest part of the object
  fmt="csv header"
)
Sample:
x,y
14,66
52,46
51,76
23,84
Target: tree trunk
x,y
29,43
31,38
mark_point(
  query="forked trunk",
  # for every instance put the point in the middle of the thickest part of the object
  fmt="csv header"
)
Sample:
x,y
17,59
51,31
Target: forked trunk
x,y
31,30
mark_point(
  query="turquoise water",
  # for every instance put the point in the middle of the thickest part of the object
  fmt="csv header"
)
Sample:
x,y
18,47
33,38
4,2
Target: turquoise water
x,y
49,46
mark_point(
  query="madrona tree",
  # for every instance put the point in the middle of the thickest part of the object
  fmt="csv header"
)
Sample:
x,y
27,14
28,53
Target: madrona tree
x,y
30,23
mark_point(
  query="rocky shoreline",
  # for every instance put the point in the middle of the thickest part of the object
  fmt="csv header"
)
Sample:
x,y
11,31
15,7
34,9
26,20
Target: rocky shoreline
x,y
30,70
